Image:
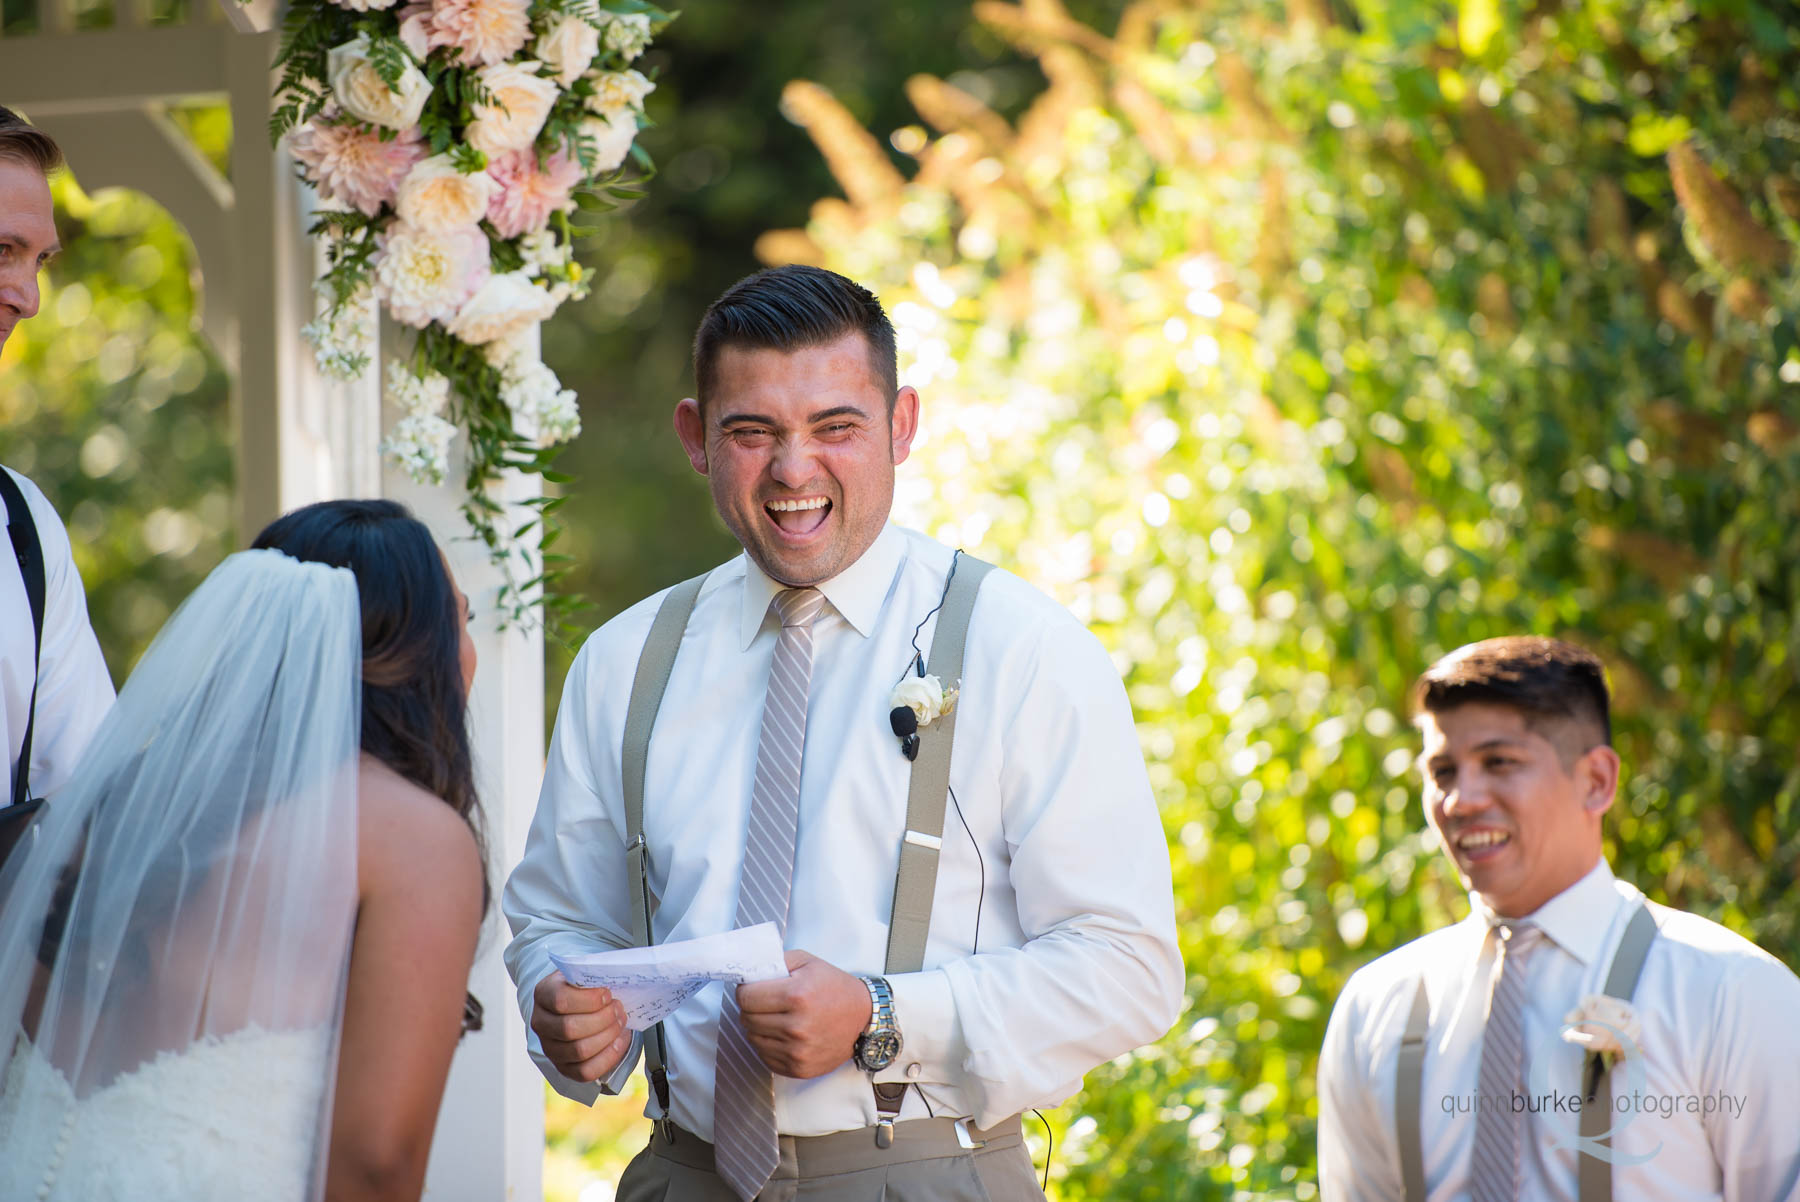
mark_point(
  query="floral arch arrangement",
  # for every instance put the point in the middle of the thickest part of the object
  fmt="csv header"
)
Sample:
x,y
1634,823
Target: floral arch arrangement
x,y
449,141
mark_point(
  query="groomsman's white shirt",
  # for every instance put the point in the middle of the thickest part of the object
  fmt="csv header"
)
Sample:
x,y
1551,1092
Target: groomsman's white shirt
x,y
1721,1052
1078,960
73,688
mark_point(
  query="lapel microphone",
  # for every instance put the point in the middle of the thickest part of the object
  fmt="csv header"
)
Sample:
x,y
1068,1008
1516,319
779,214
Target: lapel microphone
x,y
906,725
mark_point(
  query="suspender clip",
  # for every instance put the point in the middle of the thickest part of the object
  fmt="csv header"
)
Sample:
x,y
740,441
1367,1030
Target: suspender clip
x,y
965,1136
884,1132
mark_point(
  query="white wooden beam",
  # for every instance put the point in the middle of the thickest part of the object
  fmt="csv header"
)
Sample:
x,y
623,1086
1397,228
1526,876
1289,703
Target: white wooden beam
x,y
106,70
490,1134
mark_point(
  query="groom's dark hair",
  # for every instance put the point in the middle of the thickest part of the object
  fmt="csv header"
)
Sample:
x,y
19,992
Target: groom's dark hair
x,y
1558,687
790,308
23,142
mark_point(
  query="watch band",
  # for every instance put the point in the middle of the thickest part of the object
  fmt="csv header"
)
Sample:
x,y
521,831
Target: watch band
x,y
880,1042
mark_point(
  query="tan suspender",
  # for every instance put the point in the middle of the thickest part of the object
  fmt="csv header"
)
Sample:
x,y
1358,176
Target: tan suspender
x,y
1409,1085
654,666
1593,1173
915,884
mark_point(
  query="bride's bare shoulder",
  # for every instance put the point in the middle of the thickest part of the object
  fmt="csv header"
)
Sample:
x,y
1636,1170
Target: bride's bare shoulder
x,y
405,832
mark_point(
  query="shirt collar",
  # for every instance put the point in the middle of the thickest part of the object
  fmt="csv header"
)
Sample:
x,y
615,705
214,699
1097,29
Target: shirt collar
x,y
857,592
1576,919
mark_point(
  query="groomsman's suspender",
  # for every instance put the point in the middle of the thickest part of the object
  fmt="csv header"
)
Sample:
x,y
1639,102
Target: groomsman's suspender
x,y
654,666
916,882
1408,1086
1593,1173
29,551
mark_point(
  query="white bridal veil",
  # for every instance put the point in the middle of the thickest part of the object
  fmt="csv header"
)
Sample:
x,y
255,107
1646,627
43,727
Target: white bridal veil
x,y
174,937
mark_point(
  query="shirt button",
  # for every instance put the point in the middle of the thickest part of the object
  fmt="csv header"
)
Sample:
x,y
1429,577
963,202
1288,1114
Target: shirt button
x,y
912,1071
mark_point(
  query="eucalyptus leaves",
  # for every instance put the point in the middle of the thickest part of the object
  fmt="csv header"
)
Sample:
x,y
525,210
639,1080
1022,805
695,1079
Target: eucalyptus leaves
x,y
449,141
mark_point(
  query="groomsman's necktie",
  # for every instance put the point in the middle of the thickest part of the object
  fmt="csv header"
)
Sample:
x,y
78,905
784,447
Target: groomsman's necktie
x,y
1499,1130
744,1139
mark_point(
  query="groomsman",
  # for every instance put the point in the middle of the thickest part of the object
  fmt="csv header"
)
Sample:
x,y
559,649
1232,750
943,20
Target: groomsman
x,y
1455,1067
54,687
957,956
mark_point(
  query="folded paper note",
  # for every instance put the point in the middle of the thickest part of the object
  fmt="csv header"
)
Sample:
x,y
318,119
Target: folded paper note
x,y
651,981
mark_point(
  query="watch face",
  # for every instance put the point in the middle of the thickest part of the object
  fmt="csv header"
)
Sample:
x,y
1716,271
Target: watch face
x,y
878,1050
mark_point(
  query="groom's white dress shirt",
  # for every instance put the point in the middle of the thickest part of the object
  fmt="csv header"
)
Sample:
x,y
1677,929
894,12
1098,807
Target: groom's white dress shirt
x,y
1711,1112
1077,960
74,691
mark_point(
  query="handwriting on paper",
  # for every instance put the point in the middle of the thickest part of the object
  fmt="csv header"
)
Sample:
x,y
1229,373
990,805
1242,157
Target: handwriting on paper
x,y
650,982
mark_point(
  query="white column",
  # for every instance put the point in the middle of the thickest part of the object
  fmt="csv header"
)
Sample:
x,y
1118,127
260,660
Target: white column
x,y
490,1134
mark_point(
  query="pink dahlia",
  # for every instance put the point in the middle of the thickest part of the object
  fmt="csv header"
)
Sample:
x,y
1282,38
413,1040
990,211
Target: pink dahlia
x,y
526,194
415,28
351,165
482,32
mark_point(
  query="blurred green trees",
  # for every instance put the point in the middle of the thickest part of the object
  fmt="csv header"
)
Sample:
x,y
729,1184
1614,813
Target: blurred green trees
x,y
1295,344
114,404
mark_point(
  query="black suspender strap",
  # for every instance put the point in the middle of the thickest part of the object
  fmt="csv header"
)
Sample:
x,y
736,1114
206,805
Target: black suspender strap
x,y
29,552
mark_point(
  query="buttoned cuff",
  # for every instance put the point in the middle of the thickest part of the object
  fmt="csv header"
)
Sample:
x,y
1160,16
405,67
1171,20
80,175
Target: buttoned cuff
x,y
932,1049
585,1092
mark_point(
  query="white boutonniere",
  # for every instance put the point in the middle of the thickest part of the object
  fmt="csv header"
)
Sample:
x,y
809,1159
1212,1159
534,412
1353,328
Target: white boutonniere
x,y
925,696
915,703
1603,1026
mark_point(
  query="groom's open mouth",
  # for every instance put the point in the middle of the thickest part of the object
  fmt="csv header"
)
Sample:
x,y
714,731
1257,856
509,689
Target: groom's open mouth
x,y
798,517
1480,843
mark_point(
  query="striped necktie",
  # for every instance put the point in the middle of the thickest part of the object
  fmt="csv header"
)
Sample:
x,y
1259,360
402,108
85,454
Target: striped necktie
x,y
744,1137
1499,1129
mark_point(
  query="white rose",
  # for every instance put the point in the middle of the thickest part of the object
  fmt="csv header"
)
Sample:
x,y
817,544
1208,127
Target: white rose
x,y
520,102
1603,1024
614,90
609,138
501,309
925,696
627,33
363,6
567,48
436,196
362,93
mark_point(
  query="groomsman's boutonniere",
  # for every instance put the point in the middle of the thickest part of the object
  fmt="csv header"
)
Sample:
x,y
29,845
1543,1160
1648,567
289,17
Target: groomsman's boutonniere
x,y
916,702
1605,1027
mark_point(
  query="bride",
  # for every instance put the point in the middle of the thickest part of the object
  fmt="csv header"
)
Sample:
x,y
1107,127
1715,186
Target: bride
x,y
233,954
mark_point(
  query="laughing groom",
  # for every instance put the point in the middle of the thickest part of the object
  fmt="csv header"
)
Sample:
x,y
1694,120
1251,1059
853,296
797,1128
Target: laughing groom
x,y
1460,1067
963,947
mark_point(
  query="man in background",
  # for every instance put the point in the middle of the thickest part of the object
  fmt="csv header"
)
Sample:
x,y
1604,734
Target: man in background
x,y
57,690
1703,1096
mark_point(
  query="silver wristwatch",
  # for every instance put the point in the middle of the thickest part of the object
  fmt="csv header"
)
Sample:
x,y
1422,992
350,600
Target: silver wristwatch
x,y
879,1044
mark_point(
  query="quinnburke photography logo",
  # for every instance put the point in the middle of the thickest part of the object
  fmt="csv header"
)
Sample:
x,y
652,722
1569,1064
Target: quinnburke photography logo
x,y
1557,1110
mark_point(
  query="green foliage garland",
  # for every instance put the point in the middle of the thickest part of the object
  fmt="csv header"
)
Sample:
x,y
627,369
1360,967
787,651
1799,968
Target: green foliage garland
x,y
451,139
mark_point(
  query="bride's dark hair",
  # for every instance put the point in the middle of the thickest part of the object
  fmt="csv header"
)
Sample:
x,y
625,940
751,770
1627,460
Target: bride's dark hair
x,y
413,703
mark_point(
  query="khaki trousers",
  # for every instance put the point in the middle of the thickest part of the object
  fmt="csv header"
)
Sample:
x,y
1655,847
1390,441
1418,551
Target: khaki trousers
x,y
925,1163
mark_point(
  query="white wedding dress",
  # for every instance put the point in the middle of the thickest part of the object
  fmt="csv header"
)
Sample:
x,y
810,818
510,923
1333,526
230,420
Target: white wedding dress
x,y
231,1119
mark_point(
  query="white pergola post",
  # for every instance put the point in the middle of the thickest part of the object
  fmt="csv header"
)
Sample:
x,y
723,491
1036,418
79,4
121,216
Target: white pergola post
x,y
490,1137
300,438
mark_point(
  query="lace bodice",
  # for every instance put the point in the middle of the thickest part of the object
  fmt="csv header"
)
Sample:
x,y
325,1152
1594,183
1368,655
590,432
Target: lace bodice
x,y
230,1119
